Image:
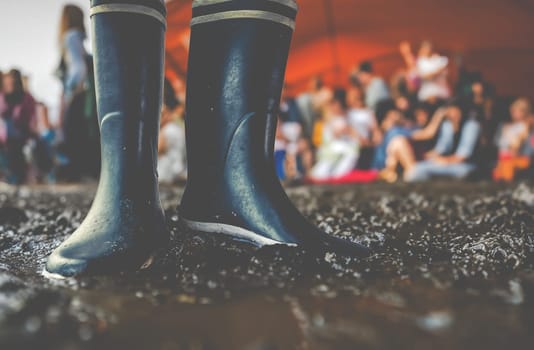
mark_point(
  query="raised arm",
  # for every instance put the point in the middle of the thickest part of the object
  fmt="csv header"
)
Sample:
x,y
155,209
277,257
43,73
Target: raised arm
x,y
406,52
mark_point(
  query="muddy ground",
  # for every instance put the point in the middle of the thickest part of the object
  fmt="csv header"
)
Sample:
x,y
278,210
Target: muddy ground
x,y
452,269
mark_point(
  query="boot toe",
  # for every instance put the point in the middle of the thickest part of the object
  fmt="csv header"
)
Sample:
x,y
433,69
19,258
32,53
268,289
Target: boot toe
x,y
59,266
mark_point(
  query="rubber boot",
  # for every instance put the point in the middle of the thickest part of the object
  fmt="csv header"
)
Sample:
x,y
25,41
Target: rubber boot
x,y
236,71
125,224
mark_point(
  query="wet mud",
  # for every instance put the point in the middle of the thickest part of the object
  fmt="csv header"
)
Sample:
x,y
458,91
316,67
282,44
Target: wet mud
x,y
453,268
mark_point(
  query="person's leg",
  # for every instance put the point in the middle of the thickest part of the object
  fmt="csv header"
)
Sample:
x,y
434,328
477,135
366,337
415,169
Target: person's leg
x,y
456,171
17,165
306,155
421,171
126,222
322,169
403,151
3,163
75,142
237,62
291,166
346,162
399,152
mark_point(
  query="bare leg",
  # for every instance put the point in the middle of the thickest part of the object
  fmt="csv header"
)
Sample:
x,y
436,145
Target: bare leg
x,y
306,155
399,152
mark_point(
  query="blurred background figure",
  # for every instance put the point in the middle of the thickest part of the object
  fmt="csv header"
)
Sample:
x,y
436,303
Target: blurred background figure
x,y
426,72
455,151
311,103
393,124
380,128
412,143
376,89
293,140
80,148
479,101
338,152
513,140
293,152
44,146
17,126
3,138
172,167
362,120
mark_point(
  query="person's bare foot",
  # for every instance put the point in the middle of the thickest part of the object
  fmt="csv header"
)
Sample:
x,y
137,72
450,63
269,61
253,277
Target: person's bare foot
x,y
389,175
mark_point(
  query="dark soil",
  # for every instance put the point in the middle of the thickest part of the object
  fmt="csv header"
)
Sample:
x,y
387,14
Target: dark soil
x,y
452,269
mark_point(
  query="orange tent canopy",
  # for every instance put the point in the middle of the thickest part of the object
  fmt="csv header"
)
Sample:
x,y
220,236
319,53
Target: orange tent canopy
x,y
494,37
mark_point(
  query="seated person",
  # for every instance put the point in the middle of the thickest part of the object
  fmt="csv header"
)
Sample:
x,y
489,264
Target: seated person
x,y
293,154
392,124
363,121
404,150
427,121
512,141
338,152
361,118
454,152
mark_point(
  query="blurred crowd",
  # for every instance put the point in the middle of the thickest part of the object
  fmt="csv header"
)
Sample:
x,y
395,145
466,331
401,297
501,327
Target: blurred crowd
x,y
33,149
415,126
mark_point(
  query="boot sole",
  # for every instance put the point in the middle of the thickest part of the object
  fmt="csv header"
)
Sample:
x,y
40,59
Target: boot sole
x,y
236,232
52,276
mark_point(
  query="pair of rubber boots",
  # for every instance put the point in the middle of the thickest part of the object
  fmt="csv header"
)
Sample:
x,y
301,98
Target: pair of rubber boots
x,y
237,63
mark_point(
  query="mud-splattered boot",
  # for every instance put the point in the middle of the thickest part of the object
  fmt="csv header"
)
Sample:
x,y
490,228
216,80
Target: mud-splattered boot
x,y
125,225
236,70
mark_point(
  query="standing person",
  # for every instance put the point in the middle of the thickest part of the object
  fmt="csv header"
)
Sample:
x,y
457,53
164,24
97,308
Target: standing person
x,y
78,121
432,71
17,112
3,137
376,89
411,77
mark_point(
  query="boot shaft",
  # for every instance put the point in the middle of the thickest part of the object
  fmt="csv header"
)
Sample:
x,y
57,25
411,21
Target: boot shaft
x,y
128,40
236,70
